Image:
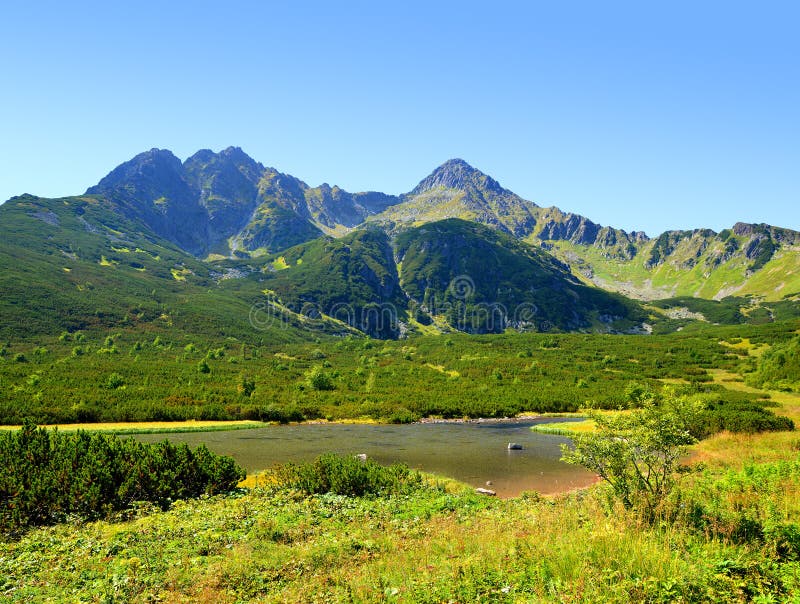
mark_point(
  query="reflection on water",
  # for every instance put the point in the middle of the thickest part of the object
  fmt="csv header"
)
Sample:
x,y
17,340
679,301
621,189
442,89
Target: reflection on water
x,y
474,452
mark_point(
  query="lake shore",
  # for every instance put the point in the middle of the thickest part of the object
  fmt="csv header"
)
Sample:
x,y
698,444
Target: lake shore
x,y
178,427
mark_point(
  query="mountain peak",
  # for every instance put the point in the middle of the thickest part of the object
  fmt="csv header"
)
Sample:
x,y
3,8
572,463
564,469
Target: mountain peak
x,y
155,164
457,174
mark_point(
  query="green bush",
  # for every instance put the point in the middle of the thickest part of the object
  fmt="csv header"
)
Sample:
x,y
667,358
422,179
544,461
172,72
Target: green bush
x,y
347,475
748,417
637,453
48,476
115,381
317,379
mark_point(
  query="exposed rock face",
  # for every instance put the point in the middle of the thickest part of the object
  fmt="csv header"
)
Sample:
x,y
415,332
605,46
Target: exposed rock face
x,y
227,183
458,174
575,228
219,200
152,187
228,203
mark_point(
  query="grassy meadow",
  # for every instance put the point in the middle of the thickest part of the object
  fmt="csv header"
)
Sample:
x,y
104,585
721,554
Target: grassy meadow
x,y
728,532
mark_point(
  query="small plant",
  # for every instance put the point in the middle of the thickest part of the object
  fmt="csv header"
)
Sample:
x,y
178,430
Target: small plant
x,y
202,366
115,381
246,386
317,379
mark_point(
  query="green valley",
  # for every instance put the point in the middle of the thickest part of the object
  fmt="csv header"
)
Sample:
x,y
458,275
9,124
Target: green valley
x,y
218,290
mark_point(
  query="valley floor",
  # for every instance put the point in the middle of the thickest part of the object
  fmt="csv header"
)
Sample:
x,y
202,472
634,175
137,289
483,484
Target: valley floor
x,y
444,543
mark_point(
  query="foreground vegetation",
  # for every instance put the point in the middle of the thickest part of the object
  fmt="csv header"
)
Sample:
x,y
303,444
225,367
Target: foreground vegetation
x,y
723,525
731,537
47,476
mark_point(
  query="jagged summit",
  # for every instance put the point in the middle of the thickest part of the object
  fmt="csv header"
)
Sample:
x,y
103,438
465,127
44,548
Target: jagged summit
x,y
457,174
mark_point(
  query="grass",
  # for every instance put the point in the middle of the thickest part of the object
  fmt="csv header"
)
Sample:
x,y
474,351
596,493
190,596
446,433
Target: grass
x,y
565,428
436,544
153,427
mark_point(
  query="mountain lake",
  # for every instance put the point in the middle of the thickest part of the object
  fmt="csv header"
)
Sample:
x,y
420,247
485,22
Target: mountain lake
x,y
474,452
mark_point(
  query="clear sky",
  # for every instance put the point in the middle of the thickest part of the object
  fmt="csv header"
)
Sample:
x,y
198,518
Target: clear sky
x,y
640,115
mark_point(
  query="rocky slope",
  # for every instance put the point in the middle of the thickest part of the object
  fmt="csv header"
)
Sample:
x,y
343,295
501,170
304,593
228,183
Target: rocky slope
x,y
226,204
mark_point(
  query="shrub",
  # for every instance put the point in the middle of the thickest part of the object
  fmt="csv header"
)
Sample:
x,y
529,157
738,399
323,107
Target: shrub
x,y
740,417
637,453
246,386
317,379
46,476
115,381
347,475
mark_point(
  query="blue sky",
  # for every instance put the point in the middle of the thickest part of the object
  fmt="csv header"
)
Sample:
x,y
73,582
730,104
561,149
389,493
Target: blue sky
x,y
639,115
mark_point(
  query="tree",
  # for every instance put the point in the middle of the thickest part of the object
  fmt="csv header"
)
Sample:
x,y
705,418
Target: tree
x,y
637,452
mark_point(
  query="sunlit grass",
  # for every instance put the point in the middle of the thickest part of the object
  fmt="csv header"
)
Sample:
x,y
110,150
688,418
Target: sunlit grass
x,y
153,427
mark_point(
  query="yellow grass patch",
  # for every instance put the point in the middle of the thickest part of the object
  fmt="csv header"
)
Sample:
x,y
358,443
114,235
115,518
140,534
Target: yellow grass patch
x,y
148,426
179,274
440,368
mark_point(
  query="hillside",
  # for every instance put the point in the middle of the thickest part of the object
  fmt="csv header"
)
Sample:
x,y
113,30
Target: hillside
x,y
448,275
75,263
208,242
226,205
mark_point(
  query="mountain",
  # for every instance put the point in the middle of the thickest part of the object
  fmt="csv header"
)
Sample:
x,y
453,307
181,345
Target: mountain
x,y
226,203
447,275
747,260
206,242
78,263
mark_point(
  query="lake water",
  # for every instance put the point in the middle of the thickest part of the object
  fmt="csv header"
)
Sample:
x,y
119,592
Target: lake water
x,y
472,452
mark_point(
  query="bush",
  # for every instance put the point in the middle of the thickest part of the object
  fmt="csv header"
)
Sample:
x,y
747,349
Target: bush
x,y
246,386
47,476
115,381
347,475
317,379
739,416
637,453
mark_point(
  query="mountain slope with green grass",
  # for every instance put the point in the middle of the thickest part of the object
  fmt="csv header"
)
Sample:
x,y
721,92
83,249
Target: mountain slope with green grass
x,y
157,236
483,280
75,264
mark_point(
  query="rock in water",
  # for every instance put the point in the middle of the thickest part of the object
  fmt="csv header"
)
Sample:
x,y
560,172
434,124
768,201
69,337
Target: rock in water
x,y
514,446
